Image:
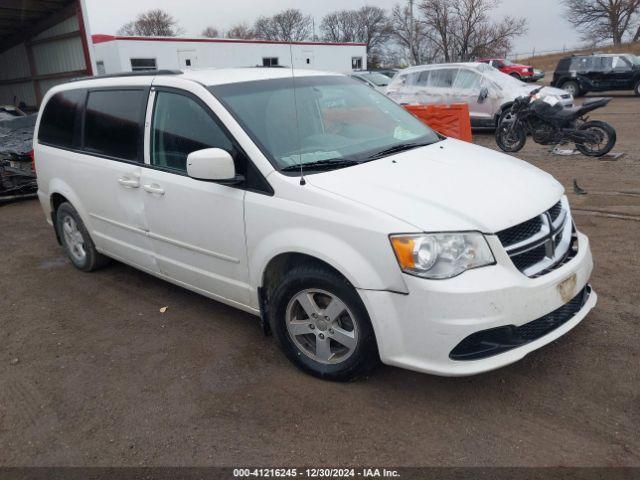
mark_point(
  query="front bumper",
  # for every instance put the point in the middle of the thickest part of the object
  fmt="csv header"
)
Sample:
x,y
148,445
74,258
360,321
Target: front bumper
x,y
419,331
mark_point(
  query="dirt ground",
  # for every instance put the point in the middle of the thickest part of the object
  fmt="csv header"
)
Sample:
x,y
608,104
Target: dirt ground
x,y
91,373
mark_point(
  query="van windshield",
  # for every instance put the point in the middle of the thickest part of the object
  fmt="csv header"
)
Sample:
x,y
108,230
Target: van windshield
x,y
329,120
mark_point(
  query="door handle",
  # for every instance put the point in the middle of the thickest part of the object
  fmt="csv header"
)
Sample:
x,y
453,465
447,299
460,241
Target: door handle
x,y
153,188
128,182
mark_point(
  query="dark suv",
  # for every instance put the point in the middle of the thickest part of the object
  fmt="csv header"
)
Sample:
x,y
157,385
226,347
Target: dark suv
x,y
596,73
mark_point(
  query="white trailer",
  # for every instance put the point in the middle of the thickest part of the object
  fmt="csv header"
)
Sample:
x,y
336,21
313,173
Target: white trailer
x,y
115,54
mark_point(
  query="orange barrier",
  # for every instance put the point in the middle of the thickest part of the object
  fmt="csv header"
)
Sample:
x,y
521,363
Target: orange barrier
x,y
449,120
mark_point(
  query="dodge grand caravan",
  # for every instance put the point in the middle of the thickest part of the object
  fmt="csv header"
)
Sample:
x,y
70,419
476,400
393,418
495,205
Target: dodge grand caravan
x,y
352,230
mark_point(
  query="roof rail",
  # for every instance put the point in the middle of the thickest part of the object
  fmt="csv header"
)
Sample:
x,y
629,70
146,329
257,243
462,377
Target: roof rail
x,y
144,73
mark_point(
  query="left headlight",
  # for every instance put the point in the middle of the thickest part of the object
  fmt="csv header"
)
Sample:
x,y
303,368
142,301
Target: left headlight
x,y
441,255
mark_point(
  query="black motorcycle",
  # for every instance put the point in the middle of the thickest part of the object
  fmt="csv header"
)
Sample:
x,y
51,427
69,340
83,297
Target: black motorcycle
x,y
552,124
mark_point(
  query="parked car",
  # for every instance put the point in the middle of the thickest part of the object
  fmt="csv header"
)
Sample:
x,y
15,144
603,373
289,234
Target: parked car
x,y
526,73
389,72
488,92
375,80
581,74
354,231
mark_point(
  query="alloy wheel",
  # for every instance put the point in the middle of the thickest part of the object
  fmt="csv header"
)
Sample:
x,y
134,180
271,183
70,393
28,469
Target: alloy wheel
x,y
321,326
73,239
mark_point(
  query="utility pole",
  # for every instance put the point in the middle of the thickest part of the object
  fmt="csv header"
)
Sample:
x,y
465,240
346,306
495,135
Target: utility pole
x,y
411,34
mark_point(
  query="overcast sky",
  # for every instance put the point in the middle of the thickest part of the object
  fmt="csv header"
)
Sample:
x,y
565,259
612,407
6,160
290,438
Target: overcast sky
x,y
547,28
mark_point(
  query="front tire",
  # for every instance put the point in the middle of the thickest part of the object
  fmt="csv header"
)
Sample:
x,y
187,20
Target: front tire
x,y
510,139
76,240
607,139
322,325
636,90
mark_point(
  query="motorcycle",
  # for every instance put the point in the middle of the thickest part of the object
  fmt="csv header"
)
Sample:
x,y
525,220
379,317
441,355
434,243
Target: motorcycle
x,y
549,123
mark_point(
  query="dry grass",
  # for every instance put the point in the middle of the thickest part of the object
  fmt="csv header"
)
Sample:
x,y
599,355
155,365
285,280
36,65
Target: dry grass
x,y
548,63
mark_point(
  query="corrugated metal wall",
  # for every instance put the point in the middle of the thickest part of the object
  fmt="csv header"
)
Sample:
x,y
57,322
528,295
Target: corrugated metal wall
x,y
53,62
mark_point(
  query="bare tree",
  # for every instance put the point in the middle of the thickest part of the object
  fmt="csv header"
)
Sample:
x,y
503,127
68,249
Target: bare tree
x,y
241,31
463,30
210,32
599,20
369,25
153,23
411,36
289,26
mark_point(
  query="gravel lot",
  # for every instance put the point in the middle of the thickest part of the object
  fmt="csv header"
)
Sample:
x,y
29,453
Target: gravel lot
x,y
91,373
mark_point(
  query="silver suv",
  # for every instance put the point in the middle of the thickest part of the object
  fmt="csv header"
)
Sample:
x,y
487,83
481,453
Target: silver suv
x,y
488,91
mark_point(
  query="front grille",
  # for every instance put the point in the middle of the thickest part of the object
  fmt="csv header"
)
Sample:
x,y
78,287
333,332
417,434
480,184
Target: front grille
x,y
520,232
529,258
539,245
555,211
488,343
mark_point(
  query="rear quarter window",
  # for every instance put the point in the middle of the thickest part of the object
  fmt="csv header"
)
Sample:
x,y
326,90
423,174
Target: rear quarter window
x,y
60,119
113,123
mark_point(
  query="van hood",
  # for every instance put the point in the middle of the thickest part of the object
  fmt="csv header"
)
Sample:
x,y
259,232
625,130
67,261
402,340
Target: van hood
x,y
448,186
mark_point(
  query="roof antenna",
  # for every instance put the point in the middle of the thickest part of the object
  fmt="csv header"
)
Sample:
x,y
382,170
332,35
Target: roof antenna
x,y
295,104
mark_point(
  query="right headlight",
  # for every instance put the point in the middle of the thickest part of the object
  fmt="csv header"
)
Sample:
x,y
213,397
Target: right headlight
x,y
441,255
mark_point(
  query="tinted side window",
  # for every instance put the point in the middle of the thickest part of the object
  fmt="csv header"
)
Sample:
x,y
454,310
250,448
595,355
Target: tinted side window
x,y
113,123
181,126
580,64
58,122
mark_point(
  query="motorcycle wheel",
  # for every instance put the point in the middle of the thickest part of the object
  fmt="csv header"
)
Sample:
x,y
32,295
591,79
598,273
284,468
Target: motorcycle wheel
x,y
606,139
510,139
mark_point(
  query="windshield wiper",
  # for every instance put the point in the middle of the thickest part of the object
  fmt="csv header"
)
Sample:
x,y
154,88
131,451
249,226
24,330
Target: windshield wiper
x,y
321,165
396,149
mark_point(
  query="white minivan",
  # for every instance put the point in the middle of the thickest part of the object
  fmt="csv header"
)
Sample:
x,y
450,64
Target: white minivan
x,y
355,232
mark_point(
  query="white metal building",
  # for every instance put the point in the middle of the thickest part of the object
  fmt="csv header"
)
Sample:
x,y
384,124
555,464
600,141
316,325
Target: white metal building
x,y
42,43
124,54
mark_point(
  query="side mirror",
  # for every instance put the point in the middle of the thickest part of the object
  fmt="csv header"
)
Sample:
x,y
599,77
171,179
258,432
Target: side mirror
x,y
484,94
213,165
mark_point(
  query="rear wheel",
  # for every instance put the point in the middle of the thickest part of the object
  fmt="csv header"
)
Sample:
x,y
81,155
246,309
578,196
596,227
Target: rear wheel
x,y
76,240
572,88
322,325
604,138
510,138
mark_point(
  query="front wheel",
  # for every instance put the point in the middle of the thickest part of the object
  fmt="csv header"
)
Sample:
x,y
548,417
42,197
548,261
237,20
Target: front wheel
x,y
510,138
322,325
604,138
637,89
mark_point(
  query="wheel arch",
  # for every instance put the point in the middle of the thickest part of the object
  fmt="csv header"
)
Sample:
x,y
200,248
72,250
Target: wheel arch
x,y
377,269
60,192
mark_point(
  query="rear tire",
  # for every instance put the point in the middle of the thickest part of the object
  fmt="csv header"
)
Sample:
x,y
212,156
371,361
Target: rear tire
x,y
76,240
509,140
573,88
608,134
310,331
